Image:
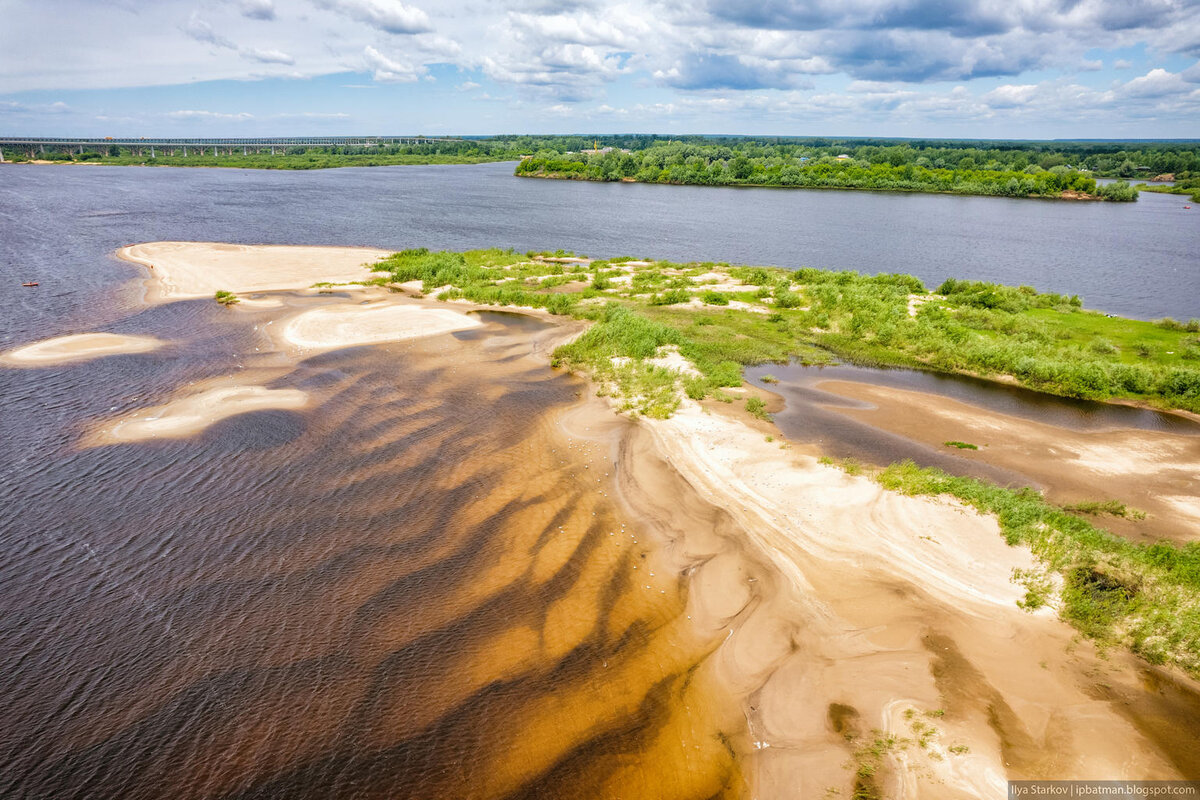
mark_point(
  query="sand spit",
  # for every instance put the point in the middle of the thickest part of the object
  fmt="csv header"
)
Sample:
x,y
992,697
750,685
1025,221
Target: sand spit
x,y
78,347
1154,471
893,615
183,270
192,413
350,325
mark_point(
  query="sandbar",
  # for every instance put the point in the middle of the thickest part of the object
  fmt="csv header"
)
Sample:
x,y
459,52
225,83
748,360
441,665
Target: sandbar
x,y
190,414
184,270
78,347
350,325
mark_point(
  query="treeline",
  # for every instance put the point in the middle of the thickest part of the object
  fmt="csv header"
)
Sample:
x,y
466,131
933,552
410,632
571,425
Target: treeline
x,y
756,166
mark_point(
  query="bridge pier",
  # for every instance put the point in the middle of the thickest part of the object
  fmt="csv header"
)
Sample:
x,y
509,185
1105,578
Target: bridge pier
x,y
1,155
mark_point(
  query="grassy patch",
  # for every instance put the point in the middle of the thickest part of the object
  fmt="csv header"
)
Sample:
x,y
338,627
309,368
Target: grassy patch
x,y
961,445
226,298
1114,508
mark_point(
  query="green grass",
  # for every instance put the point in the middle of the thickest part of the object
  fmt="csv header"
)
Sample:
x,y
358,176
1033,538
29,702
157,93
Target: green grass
x,y
1045,341
961,445
226,298
1114,508
1144,597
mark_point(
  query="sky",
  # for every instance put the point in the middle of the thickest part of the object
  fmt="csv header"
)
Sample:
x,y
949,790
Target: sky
x,y
904,68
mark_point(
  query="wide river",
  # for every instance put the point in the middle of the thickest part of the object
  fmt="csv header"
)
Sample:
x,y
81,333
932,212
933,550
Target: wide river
x,y
420,586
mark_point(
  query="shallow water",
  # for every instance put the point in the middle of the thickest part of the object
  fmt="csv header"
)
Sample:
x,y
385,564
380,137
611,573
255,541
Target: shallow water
x,y
419,587
810,414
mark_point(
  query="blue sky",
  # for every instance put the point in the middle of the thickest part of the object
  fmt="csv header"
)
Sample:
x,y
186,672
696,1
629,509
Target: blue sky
x,y
976,68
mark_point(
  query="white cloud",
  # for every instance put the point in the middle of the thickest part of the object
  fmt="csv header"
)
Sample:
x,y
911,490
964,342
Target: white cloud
x,y
387,70
267,56
209,115
386,15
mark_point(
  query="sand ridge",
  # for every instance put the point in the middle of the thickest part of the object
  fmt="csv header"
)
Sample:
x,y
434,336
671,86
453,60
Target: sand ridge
x,y
183,270
193,412
349,325
78,347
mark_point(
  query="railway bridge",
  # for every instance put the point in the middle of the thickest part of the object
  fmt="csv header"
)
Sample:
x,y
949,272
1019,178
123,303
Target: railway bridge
x,y
34,146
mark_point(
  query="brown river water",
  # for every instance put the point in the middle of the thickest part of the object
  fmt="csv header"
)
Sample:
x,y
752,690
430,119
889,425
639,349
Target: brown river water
x,y
430,583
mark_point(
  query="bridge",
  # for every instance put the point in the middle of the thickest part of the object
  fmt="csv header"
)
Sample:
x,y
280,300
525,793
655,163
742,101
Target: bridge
x,y
37,145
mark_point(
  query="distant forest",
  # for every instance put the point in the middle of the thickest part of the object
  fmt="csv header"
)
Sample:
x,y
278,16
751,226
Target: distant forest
x,y
1011,168
1015,169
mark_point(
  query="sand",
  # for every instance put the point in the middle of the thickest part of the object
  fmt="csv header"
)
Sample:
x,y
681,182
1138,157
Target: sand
x,y
183,270
191,413
350,325
77,348
887,608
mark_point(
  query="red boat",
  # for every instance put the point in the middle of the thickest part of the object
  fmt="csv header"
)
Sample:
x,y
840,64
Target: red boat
x,y
30,283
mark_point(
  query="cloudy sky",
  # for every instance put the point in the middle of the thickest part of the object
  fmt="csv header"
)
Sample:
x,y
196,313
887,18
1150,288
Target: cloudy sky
x,y
976,68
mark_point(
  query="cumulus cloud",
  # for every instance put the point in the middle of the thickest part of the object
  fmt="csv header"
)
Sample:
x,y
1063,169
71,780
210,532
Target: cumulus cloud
x,y
391,16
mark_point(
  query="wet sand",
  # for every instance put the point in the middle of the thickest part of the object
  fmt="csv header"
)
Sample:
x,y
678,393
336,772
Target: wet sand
x,y
350,325
77,348
1153,471
182,270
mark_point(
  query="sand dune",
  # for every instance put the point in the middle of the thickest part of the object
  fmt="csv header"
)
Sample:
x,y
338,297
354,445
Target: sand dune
x,y
192,413
183,270
78,347
350,325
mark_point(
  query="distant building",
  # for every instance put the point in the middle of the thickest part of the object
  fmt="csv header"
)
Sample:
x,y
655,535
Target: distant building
x,y
843,157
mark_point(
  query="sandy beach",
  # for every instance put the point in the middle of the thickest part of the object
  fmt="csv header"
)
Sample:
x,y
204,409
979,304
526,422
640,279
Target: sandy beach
x,y
183,270
77,348
899,609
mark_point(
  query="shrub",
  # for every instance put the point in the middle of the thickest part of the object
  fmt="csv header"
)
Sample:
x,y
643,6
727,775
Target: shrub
x,y
226,298
712,298
757,407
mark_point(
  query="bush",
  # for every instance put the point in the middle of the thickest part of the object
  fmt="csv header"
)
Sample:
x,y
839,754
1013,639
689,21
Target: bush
x,y
757,407
712,298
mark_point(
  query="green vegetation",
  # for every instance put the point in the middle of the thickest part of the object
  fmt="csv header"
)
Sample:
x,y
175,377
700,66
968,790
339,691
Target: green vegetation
x,y
961,445
1189,186
226,298
1044,341
708,168
1010,169
1113,508
1145,597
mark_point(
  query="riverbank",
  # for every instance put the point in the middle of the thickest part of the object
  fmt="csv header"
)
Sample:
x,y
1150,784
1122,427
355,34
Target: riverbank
x,y
872,642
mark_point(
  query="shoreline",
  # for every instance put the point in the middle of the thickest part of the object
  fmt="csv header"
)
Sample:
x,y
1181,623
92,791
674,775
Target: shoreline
x,y
1068,196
